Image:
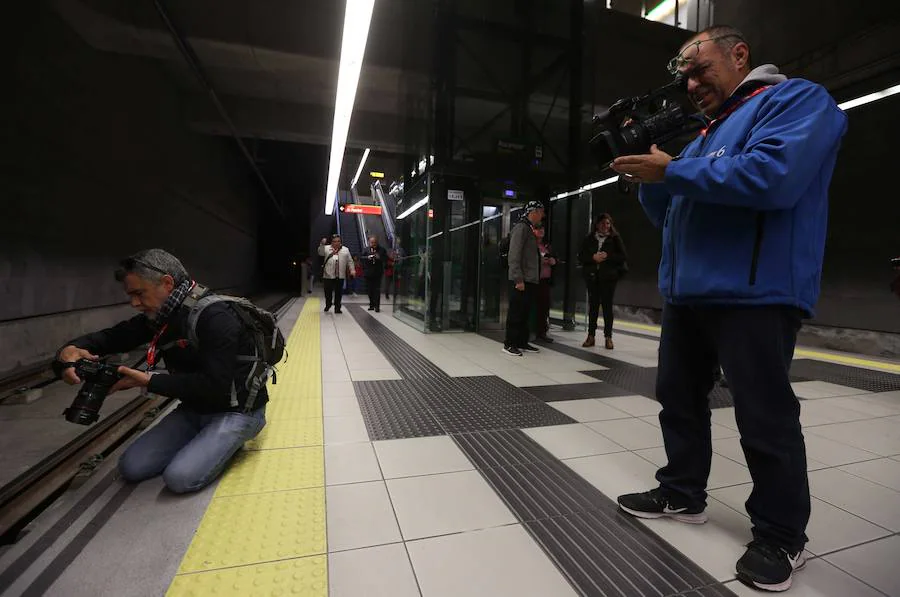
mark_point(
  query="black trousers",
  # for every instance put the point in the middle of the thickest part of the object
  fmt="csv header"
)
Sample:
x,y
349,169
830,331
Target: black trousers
x,y
334,290
373,287
755,346
601,293
520,302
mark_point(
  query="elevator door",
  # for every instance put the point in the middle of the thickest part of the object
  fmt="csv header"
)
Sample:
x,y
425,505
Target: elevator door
x,y
496,221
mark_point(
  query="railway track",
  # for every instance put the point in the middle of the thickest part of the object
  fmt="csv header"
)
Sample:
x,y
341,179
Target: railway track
x,y
23,498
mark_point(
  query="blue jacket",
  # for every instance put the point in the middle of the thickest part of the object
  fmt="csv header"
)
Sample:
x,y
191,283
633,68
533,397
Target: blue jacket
x,y
744,210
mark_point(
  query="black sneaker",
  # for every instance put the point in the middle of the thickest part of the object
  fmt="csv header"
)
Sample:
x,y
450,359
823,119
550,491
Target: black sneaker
x,y
512,351
530,348
371,308
767,567
654,504
327,307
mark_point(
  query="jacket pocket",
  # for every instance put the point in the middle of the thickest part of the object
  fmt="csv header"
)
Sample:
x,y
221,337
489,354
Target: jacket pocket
x,y
757,244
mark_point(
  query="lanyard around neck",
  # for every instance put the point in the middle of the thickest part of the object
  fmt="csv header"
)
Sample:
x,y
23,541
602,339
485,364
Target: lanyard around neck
x,y
731,109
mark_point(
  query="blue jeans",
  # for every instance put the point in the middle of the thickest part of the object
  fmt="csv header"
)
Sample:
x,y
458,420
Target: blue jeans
x,y
189,449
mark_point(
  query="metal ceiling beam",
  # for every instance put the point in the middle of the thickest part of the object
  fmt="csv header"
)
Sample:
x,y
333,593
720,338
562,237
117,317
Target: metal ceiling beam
x,y
194,63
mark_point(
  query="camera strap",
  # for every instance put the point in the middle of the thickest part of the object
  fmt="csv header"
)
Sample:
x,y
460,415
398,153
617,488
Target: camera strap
x,y
152,350
732,108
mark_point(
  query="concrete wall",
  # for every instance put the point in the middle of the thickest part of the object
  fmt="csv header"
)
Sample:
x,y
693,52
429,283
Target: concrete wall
x,y
96,164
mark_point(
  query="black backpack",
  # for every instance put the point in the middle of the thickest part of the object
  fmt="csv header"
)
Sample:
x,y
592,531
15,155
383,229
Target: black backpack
x,y
262,326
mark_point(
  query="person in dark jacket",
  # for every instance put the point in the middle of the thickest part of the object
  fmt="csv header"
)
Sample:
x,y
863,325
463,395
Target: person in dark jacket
x,y
374,259
542,307
524,274
602,256
192,445
743,212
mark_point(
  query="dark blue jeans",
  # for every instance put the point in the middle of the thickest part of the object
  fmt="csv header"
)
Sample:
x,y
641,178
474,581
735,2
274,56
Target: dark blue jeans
x,y
189,449
755,346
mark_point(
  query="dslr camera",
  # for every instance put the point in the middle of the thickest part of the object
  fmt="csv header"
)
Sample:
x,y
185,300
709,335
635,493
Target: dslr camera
x,y
98,379
631,125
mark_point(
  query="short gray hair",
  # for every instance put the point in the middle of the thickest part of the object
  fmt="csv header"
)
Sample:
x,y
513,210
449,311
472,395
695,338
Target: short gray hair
x,y
152,265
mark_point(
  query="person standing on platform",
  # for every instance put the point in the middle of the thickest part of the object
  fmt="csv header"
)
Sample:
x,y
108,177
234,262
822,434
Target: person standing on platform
x,y
602,256
374,258
524,275
743,212
336,268
548,262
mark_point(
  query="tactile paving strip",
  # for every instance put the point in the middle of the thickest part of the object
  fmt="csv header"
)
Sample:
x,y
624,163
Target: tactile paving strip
x,y
600,550
406,361
264,530
301,576
576,391
642,381
845,375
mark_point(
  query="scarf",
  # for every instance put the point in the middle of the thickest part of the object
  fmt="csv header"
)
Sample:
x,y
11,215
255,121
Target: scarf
x,y
172,302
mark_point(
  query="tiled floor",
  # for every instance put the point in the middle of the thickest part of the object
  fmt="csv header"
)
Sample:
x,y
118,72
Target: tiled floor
x,y
414,516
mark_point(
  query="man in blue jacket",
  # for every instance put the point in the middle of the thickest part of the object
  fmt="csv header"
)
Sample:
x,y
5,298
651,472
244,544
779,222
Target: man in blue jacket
x,y
743,212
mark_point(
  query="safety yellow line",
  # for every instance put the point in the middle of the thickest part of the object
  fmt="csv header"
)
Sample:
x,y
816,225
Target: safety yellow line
x,y
264,530
799,352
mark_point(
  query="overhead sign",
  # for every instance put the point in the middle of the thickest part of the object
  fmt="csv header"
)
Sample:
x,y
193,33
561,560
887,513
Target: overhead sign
x,y
455,195
367,210
376,174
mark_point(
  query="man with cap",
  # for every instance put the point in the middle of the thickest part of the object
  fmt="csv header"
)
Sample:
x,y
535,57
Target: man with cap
x,y
524,275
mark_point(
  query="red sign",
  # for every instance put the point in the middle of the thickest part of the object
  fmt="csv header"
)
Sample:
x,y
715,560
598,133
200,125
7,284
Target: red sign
x,y
368,210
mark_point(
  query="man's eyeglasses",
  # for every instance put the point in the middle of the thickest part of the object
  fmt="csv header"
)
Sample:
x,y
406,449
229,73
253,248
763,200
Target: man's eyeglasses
x,y
690,52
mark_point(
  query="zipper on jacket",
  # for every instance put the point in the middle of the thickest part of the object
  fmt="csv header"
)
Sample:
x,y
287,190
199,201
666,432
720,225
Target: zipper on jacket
x,y
760,229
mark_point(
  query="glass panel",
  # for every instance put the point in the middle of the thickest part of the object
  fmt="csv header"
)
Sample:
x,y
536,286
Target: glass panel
x,y
410,256
492,275
566,238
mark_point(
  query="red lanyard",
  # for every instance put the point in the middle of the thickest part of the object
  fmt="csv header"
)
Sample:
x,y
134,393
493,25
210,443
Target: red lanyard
x,y
151,350
732,108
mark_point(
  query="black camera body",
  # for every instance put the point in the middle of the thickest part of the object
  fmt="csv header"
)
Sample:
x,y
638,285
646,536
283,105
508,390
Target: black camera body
x,y
631,125
98,379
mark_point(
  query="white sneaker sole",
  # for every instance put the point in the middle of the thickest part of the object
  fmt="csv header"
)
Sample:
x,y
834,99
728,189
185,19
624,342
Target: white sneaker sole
x,y
780,587
686,518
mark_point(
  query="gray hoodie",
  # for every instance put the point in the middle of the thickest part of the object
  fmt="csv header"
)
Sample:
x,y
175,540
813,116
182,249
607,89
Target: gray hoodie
x,y
524,255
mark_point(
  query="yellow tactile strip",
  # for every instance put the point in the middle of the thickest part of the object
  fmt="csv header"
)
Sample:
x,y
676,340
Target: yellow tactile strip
x,y
264,531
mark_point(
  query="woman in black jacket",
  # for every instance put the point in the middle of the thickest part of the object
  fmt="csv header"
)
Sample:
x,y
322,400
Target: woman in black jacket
x,y
602,257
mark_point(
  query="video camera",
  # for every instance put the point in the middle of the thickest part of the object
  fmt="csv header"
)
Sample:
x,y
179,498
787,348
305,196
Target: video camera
x,y
98,379
631,125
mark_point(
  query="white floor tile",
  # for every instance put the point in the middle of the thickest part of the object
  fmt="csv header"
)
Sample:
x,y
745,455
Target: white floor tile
x,y
885,472
833,453
865,499
881,436
724,417
351,463
638,406
360,515
875,563
572,441
527,379
343,406
337,389
383,571
588,409
343,430
570,377
812,390
731,448
499,562
447,503
420,456
817,579
374,374
829,528
875,405
634,434
616,474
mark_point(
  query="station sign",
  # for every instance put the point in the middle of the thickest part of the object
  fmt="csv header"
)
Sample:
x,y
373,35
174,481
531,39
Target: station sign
x,y
366,210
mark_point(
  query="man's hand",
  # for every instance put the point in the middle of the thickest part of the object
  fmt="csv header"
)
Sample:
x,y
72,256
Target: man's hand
x,y
520,286
133,379
70,354
643,168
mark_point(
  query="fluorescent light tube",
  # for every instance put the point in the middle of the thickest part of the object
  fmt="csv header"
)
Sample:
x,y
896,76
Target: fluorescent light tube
x,y
415,206
359,170
357,18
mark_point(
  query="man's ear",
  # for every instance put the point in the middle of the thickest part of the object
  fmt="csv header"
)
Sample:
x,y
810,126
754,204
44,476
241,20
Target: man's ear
x,y
168,282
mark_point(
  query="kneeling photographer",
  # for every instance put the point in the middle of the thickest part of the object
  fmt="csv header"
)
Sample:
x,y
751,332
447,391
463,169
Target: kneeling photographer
x,y
206,371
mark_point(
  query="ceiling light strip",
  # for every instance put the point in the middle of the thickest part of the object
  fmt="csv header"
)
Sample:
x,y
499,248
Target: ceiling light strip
x,y
359,170
357,18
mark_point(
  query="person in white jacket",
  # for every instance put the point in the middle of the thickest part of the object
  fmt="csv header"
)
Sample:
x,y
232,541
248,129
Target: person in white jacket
x,y
337,267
